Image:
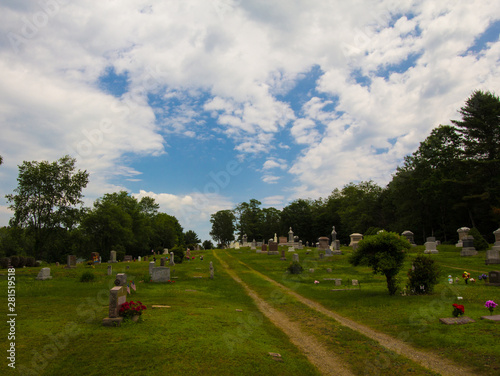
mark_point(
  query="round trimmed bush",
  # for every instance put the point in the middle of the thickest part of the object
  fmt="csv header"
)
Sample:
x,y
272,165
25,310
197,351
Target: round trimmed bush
x,y
14,261
87,276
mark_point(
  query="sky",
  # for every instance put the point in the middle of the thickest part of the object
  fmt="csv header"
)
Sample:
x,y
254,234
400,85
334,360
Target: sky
x,y
203,104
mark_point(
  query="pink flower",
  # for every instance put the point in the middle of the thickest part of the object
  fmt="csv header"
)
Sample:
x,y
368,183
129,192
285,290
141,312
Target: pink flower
x,y
316,282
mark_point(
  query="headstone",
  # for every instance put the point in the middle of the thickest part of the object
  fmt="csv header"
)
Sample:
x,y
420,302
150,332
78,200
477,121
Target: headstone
x,y
273,248
283,255
291,249
165,251
172,262
295,257
463,232
409,236
283,240
275,239
253,245
355,239
338,281
211,270
127,258
160,274
71,261
323,243
355,282
430,245
110,270
494,278
146,258
290,236
162,261
44,274
301,246
112,256
151,266
264,248
321,256
57,263
117,296
493,254
138,258
468,247
237,245
244,240
121,279
334,234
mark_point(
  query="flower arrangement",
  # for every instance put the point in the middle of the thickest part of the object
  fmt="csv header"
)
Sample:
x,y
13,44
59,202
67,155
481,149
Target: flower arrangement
x,y
316,282
483,277
490,304
170,281
458,310
466,277
130,309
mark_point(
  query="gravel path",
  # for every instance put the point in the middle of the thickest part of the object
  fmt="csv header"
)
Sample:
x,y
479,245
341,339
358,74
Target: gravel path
x,y
327,362
426,359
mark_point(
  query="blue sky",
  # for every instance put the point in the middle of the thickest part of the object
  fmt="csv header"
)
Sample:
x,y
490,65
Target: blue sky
x,y
203,105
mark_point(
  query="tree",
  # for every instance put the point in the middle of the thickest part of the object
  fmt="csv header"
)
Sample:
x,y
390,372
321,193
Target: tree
x,y
249,218
299,216
223,226
385,253
1,160
46,198
480,131
191,239
207,244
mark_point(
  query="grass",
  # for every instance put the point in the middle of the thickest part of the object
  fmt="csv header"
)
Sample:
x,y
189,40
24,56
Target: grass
x,y
213,327
413,318
59,330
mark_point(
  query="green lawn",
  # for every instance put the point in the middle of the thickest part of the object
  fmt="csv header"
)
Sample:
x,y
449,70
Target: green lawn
x,y
212,327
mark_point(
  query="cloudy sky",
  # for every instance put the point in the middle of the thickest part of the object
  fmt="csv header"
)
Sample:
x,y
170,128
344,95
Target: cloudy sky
x,y
205,104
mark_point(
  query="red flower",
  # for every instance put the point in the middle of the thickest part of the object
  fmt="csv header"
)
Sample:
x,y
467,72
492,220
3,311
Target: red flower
x,y
460,307
143,307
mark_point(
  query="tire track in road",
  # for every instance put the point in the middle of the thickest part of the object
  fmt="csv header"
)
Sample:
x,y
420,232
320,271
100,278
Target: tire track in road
x,y
425,359
323,359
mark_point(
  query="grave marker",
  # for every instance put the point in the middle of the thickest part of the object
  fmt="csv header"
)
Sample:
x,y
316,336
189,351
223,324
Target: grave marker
x,y
117,296
71,262
112,254
161,274
44,274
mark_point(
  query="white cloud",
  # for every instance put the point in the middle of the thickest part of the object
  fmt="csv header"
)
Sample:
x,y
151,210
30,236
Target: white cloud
x,y
270,179
273,201
235,62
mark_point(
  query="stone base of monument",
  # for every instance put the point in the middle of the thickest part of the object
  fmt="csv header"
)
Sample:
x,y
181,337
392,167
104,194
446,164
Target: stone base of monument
x,y
273,253
492,317
112,321
469,251
493,261
456,320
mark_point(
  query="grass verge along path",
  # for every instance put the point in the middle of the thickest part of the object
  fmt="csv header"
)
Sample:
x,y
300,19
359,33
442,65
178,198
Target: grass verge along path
x,y
426,359
326,362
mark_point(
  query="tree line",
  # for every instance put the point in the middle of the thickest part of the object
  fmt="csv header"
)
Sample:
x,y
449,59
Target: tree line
x,y
452,180
51,222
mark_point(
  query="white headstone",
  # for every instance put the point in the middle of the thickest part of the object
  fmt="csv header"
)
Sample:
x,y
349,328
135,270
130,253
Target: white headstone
x,y
161,274
44,274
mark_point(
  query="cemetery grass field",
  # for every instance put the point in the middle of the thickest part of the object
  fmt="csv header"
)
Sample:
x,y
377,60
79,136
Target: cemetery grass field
x,y
212,327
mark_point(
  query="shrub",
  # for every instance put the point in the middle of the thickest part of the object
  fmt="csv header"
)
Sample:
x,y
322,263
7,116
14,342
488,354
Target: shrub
x,y
22,261
295,268
4,262
178,254
479,243
14,261
30,262
425,273
87,276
